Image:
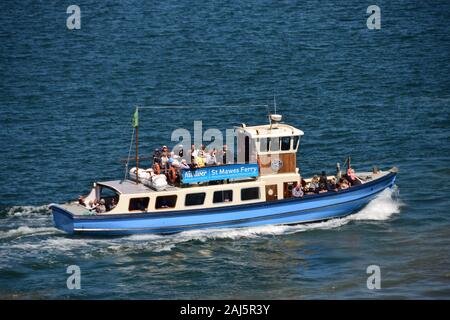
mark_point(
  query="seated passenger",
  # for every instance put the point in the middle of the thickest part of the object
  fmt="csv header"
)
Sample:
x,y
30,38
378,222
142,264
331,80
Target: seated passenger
x,y
332,186
211,158
101,208
323,179
194,152
303,182
92,205
81,201
156,156
322,188
164,160
297,191
193,163
313,185
200,162
113,204
164,150
343,184
184,165
352,178
223,155
173,161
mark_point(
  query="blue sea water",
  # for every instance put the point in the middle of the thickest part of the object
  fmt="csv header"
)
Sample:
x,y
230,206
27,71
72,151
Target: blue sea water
x,y
381,96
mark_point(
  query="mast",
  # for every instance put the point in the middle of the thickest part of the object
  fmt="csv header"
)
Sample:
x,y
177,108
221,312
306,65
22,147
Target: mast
x,y
136,128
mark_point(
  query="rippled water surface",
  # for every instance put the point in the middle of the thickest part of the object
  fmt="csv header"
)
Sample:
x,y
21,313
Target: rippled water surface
x,y
66,99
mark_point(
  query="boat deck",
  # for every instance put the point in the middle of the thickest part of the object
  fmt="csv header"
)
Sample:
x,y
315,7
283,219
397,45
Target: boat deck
x,y
131,187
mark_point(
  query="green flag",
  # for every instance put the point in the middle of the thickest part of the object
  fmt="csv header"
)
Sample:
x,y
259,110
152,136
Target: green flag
x,y
136,118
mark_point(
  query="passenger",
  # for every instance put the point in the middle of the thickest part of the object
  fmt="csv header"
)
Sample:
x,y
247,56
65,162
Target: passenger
x,y
101,208
200,162
164,203
313,185
184,165
156,156
113,204
193,163
297,191
323,181
194,152
352,178
81,201
303,182
92,205
343,184
211,158
173,161
175,156
332,186
322,188
165,150
223,155
338,171
164,158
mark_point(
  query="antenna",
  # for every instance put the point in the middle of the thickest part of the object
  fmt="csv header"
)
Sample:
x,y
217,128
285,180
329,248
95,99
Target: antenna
x,y
275,103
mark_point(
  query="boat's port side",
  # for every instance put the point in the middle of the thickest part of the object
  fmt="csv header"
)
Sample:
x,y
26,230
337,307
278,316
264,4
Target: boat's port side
x,y
288,211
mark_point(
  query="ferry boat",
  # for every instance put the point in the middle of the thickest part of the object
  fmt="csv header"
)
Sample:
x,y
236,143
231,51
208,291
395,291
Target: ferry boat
x,y
256,191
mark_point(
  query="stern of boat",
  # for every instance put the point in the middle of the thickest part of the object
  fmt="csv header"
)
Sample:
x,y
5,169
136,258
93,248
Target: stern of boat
x,y
62,218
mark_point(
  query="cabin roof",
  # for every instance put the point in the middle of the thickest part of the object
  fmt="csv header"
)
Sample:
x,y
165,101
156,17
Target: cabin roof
x,y
130,187
268,131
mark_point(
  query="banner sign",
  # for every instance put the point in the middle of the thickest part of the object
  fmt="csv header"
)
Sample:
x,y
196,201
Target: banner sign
x,y
230,171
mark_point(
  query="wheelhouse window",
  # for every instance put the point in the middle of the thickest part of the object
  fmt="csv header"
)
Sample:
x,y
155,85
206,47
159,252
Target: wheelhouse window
x,y
285,143
164,202
223,196
264,145
275,144
295,142
250,193
195,199
138,204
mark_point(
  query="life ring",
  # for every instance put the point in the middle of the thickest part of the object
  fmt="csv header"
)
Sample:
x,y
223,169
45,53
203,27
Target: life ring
x,y
172,175
156,168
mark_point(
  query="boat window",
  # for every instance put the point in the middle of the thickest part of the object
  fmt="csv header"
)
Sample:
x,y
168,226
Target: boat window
x,y
250,193
264,145
164,202
285,143
195,199
274,144
110,196
223,196
295,142
138,204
